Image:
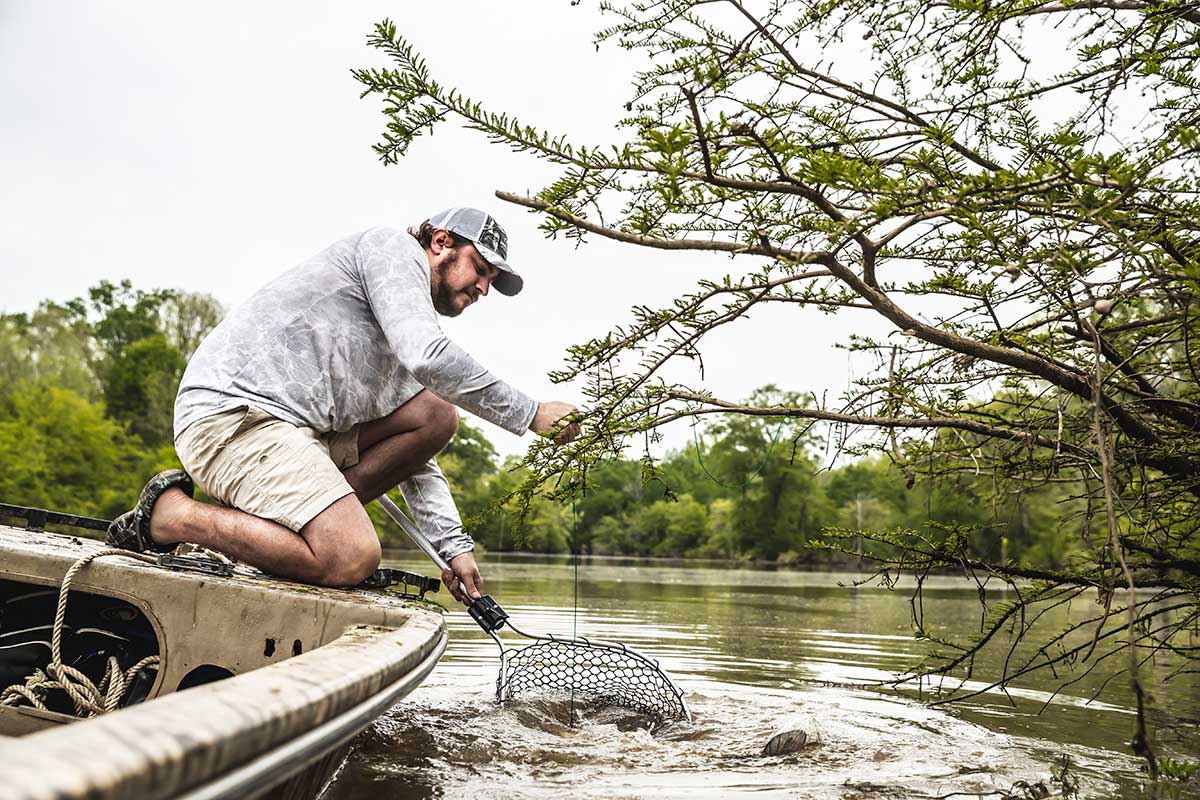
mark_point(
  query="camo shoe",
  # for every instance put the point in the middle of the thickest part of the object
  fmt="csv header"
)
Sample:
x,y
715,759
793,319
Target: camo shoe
x,y
131,530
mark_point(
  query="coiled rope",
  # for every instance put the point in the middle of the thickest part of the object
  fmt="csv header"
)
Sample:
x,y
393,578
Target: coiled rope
x,y
90,699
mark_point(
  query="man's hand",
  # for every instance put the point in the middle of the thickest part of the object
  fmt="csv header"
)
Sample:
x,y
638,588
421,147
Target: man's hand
x,y
463,578
558,421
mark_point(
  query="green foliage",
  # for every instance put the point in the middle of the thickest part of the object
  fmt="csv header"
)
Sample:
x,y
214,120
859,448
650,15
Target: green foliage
x,y
140,381
87,390
469,462
1025,227
58,450
51,344
143,340
1178,770
749,487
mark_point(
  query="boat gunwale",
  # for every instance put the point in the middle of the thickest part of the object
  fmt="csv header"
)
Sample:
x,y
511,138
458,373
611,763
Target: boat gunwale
x,y
269,769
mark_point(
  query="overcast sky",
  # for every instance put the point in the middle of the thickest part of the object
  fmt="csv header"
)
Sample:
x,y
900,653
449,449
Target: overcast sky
x,y
211,146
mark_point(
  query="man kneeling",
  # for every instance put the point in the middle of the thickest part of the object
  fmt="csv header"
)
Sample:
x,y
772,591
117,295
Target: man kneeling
x,y
328,387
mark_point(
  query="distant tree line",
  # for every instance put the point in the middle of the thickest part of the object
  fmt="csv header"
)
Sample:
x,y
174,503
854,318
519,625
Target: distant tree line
x,y
87,389
86,394
756,488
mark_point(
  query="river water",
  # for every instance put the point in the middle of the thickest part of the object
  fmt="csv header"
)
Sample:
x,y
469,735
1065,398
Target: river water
x,y
754,650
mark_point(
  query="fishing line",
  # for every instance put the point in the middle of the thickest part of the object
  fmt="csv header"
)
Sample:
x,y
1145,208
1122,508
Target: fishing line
x,y
575,599
757,470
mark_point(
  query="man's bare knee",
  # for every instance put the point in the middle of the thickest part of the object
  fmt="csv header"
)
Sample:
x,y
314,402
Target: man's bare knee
x,y
428,416
443,420
355,563
344,544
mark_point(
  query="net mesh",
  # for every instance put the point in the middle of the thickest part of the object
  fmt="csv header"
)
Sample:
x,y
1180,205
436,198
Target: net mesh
x,y
609,674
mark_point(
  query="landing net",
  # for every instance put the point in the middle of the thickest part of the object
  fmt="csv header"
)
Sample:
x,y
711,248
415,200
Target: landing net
x,y
607,673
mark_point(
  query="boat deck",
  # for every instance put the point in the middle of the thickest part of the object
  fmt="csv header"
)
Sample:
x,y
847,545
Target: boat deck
x,y
249,618
307,668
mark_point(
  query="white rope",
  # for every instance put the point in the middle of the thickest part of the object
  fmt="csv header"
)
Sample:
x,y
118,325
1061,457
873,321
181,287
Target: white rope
x,y
89,699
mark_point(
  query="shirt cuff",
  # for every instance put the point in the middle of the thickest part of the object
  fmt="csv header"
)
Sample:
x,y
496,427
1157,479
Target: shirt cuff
x,y
527,420
458,544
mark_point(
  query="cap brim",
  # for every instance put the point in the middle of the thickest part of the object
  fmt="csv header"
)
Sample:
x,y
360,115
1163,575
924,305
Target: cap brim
x,y
507,282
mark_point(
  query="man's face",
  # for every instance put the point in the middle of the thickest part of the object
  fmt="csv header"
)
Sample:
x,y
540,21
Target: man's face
x,y
458,276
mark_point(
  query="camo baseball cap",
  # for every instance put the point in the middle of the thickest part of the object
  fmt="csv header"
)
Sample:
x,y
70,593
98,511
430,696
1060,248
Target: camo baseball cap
x,y
489,239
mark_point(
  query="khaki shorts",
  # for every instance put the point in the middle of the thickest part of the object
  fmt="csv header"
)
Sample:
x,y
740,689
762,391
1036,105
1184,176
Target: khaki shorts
x,y
264,466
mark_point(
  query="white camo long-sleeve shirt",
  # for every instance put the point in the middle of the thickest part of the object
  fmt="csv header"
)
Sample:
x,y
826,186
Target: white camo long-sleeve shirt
x,y
344,338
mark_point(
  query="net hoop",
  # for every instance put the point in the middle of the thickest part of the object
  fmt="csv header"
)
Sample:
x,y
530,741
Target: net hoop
x,y
608,672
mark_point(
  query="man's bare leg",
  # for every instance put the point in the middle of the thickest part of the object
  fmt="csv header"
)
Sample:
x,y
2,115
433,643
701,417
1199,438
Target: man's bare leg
x,y
392,448
335,558
338,547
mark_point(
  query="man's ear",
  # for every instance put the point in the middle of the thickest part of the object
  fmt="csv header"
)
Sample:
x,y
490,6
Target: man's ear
x,y
441,240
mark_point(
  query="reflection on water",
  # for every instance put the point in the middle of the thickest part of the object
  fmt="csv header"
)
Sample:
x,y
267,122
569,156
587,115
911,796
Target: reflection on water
x,y
753,650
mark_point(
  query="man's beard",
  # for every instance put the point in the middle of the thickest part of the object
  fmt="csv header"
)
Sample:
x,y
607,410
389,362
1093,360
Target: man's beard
x,y
443,297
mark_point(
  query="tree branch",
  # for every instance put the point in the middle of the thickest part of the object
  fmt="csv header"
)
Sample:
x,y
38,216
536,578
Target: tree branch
x,y
757,249
952,423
